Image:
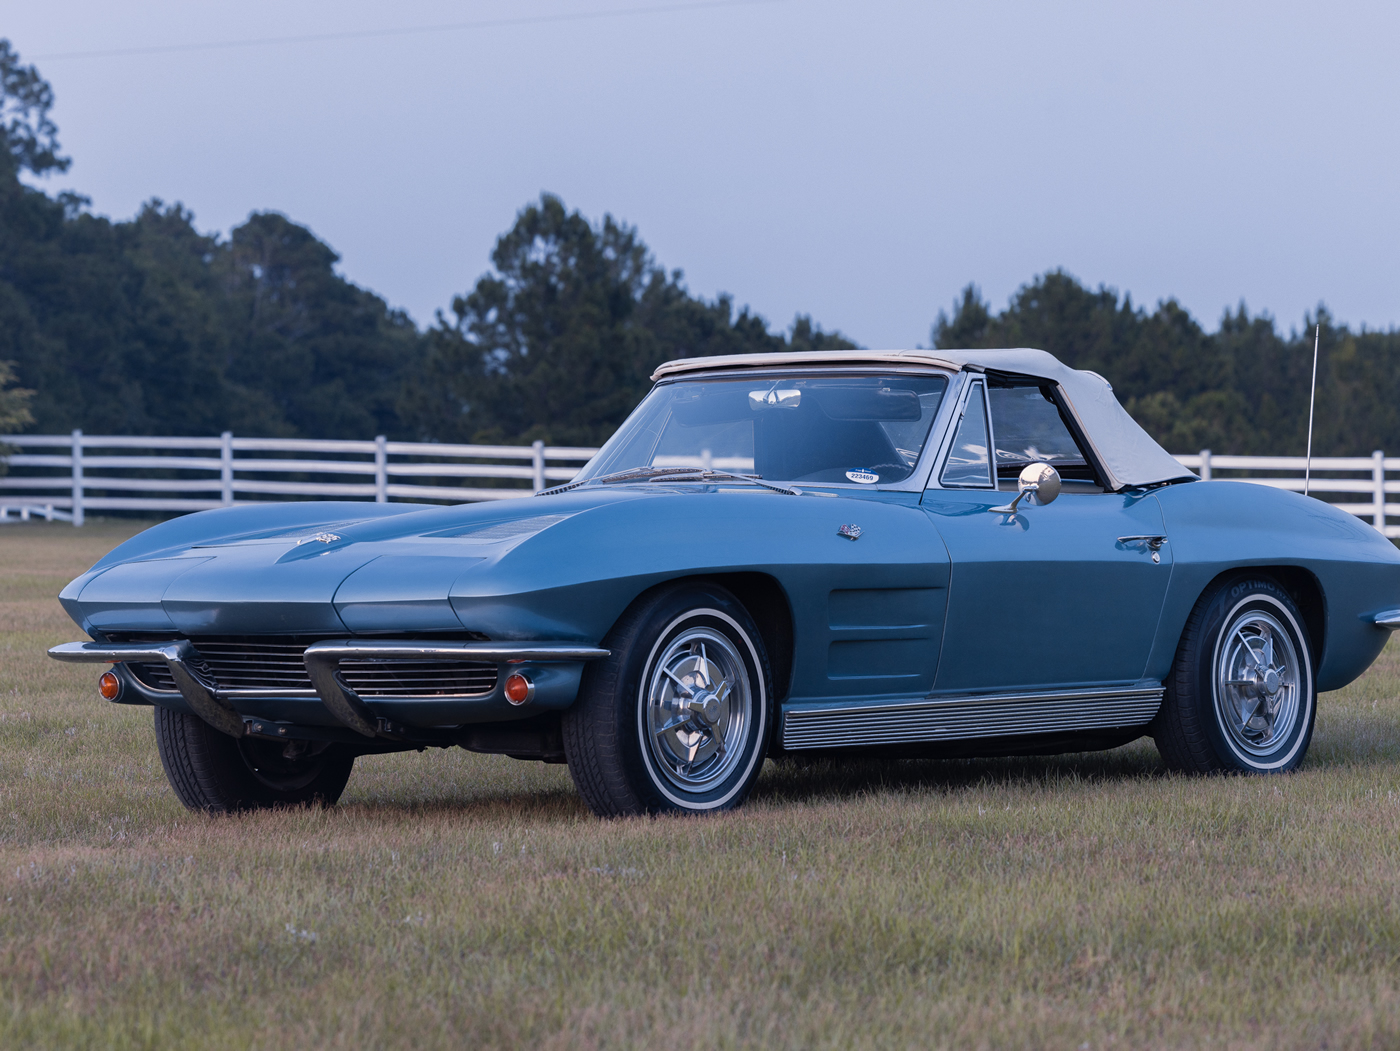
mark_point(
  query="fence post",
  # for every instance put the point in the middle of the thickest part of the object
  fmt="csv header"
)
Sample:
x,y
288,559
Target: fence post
x,y
1205,465
538,448
77,477
226,467
381,470
1378,479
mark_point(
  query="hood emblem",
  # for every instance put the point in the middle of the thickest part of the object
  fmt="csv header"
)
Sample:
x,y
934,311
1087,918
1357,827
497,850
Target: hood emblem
x,y
325,538
850,532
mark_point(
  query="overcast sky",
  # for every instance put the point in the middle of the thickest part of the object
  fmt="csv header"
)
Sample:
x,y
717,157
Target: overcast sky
x,y
860,162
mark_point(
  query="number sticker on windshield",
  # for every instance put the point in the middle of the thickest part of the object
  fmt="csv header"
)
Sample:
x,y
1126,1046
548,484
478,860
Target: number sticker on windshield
x,y
863,476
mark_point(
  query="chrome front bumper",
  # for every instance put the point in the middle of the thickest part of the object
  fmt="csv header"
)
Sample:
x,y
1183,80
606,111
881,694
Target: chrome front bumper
x,y
322,660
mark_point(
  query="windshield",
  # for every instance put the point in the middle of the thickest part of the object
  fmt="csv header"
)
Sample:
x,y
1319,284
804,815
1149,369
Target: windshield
x,y
847,429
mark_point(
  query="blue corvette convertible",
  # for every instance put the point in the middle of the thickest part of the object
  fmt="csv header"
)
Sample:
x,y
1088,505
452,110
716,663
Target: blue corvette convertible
x,y
915,553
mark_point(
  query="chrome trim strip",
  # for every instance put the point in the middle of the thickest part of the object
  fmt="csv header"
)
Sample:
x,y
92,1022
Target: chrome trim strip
x,y
215,711
487,652
298,693
965,718
1388,619
113,653
323,659
732,363
268,693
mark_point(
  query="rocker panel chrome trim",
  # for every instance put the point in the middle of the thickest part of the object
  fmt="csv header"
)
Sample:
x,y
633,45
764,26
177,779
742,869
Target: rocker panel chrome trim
x,y
969,717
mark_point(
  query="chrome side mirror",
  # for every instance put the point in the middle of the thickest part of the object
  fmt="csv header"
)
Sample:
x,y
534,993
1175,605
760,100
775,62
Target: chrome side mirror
x,y
1039,479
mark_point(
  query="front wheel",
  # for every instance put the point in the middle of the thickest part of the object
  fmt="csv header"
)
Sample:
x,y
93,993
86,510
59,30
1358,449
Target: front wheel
x,y
678,717
1241,696
214,772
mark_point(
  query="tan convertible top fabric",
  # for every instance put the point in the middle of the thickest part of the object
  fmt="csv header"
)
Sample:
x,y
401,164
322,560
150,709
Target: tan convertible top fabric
x,y
1126,451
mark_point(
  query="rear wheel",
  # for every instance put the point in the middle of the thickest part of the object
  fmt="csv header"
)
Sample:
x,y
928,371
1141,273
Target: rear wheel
x,y
679,716
1241,696
209,770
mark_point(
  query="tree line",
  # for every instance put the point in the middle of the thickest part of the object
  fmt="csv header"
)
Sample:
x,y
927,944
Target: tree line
x,y
148,326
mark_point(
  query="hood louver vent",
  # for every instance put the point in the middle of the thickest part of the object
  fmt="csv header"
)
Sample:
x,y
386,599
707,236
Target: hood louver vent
x,y
498,531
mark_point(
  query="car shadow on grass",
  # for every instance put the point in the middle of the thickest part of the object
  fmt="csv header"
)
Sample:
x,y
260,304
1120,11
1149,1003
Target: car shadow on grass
x,y
787,782
539,806
1348,739
836,778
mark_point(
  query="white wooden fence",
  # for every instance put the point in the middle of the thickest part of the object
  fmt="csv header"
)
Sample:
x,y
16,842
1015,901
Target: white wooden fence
x,y
65,476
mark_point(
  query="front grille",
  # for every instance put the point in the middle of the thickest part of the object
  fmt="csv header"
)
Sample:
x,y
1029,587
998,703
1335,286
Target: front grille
x,y
154,676
391,678
254,664
276,664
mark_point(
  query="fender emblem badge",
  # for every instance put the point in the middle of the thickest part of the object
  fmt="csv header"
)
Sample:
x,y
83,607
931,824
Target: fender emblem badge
x,y
325,538
850,532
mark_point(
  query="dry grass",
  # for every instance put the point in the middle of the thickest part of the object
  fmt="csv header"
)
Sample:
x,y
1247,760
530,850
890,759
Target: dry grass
x,y
459,900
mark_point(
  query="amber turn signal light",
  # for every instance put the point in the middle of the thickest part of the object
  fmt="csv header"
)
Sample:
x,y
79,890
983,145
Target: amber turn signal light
x,y
519,689
109,686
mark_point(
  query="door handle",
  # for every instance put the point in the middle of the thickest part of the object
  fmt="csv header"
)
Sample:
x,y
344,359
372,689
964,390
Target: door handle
x,y
1153,541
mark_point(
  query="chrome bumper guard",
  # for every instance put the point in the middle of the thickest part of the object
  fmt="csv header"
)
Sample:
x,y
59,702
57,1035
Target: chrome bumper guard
x,y
1389,619
322,661
213,709
323,665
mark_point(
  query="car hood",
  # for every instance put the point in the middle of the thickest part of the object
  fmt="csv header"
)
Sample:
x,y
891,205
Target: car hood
x,y
302,568
337,568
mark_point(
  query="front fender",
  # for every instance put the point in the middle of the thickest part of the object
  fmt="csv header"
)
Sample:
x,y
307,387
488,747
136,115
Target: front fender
x,y
573,580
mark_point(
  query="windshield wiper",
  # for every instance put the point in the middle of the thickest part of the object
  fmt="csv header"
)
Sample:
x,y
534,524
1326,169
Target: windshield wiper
x,y
675,474
705,474
617,476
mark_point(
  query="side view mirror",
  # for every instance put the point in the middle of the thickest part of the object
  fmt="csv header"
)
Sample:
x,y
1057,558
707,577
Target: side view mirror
x,y
1039,479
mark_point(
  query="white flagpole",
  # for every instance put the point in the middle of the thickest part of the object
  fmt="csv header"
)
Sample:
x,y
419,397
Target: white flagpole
x,y
1312,400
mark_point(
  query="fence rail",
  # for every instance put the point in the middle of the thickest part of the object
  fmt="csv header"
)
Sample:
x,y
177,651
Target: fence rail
x,y
65,476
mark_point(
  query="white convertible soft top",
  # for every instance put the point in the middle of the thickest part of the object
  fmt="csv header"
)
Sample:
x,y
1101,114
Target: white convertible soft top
x,y
1127,452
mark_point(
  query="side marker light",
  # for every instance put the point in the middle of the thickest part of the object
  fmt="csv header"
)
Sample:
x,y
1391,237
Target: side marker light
x,y
519,689
109,686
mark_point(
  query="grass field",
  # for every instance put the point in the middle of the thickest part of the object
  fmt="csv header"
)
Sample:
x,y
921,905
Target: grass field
x,y
456,900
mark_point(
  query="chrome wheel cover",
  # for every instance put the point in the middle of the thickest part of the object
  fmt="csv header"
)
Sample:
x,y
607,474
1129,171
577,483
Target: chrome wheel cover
x,y
698,704
1256,680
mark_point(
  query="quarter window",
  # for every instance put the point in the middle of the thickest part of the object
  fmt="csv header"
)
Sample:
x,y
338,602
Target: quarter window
x,y
968,463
